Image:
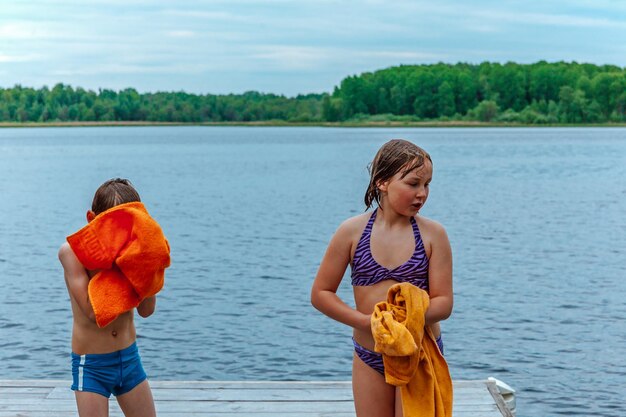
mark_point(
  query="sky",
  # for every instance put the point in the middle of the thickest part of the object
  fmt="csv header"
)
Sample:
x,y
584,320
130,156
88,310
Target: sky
x,y
287,47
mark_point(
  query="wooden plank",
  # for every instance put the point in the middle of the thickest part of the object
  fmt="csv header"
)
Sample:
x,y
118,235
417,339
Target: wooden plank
x,y
40,398
25,401
52,383
288,385
33,383
467,395
227,385
117,413
216,407
114,413
204,394
24,392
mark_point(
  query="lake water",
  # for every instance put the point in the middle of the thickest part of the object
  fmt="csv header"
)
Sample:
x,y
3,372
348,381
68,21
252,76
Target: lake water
x,y
536,218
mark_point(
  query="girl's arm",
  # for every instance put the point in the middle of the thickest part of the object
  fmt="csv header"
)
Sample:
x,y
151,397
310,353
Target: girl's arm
x,y
77,280
439,276
324,291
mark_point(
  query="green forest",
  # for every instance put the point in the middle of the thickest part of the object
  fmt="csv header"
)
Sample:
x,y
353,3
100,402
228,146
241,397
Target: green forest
x,y
539,93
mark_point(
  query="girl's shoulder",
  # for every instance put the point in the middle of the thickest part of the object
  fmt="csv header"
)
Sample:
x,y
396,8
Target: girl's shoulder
x,y
429,226
434,236
353,226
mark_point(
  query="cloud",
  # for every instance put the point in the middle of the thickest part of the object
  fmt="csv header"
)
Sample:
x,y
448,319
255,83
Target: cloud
x,y
483,28
402,55
23,30
289,45
611,6
203,15
20,58
180,34
131,69
292,57
550,19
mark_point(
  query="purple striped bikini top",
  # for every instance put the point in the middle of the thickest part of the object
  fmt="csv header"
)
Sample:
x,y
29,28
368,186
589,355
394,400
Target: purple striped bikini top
x,y
366,271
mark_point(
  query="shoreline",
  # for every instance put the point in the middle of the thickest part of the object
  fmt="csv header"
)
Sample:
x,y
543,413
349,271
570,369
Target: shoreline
x,y
274,123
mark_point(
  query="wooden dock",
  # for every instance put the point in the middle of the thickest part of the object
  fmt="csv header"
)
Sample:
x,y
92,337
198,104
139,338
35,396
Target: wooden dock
x,y
53,398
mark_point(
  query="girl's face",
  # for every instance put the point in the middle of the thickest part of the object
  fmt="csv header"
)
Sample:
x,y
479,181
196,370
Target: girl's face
x,y
407,195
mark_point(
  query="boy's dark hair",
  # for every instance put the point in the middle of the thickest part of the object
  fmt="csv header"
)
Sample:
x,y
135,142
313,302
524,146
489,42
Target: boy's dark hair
x,y
394,156
113,192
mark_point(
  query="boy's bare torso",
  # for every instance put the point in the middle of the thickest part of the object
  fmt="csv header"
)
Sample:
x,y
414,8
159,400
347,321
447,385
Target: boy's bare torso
x,y
87,337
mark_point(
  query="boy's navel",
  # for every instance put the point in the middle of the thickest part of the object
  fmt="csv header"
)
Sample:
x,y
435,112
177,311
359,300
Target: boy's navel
x,y
114,333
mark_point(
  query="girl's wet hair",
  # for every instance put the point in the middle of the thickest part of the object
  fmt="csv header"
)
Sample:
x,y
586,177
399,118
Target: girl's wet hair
x,y
394,156
112,193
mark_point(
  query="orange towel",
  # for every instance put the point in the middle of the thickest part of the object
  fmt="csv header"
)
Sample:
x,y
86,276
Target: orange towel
x,y
410,353
129,249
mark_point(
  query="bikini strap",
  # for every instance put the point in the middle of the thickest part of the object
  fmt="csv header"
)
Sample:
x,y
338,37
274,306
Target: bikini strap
x,y
367,232
416,233
370,222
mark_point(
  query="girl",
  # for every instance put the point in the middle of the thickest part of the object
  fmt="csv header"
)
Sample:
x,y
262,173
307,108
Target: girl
x,y
391,244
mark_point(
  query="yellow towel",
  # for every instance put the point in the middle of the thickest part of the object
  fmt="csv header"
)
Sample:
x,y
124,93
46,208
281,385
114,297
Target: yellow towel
x,y
128,248
410,353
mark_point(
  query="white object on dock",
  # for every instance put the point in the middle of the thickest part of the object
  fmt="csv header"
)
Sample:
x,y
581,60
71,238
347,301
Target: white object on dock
x,y
507,393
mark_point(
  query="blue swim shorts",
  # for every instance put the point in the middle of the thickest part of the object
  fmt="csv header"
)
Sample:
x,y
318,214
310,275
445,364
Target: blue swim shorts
x,y
108,373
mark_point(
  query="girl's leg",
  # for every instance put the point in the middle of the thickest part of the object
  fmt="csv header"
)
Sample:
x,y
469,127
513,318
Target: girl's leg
x,y
91,404
373,397
138,402
399,412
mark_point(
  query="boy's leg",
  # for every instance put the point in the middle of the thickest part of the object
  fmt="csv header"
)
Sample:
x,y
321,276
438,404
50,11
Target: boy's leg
x,y
137,402
91,404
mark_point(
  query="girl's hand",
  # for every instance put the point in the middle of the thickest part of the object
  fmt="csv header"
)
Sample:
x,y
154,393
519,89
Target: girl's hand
x,y
364,322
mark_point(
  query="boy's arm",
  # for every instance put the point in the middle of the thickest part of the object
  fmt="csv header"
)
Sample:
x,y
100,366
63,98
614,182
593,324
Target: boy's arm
x,y
147,306
77,280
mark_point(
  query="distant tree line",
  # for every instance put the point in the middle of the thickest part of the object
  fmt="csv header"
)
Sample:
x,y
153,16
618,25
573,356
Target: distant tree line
x,y
536,93
66,104
539,93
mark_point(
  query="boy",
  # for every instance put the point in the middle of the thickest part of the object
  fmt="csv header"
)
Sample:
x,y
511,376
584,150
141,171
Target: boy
x,y
105,360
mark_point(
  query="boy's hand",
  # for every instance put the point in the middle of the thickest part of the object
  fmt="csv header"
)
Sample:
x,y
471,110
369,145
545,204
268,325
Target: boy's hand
x,y
147,306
